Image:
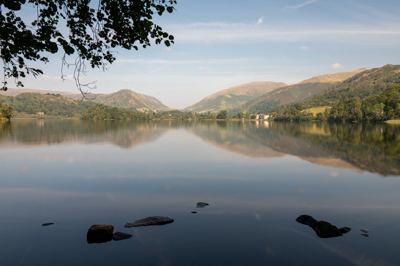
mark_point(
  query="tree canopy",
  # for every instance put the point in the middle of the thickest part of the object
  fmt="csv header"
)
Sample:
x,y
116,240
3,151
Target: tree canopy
x,y
92,31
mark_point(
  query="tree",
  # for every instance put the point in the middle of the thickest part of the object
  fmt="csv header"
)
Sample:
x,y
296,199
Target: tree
x,y
6,111
222,115
94,29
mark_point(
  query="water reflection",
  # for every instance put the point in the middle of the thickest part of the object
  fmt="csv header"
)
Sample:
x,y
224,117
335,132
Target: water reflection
x,y
359,147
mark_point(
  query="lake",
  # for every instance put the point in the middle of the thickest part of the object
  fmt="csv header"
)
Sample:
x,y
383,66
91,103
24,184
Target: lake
x,y
257,177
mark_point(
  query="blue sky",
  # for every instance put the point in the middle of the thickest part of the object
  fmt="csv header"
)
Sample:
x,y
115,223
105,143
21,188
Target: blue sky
x,y
220,44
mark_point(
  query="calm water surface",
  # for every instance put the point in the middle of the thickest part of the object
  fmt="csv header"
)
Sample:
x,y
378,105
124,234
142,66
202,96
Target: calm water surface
x,y
257,178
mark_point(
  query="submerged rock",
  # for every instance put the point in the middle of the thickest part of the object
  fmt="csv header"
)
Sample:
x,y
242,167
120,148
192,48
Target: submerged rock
x,y
194,212
153,220
201,204
117,236
47,224
100,233
322,229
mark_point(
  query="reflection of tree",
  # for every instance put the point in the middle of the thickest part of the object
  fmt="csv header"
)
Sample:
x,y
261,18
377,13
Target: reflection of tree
x,y
371,147
5,129
122,133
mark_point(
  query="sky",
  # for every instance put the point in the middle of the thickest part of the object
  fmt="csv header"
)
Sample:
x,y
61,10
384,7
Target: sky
x,y
225,43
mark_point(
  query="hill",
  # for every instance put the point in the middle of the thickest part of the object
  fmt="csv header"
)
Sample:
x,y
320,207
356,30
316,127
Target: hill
x,y
296,92
50,104
126,99
364,84
233,97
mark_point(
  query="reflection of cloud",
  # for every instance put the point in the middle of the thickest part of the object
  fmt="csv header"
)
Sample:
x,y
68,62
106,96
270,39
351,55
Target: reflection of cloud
x,y
204,169
270,251
258,216
304,48
25,168
334,174
300,191
352,257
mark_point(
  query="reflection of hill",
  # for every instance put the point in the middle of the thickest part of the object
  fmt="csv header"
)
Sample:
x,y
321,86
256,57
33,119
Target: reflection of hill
x,y
232,137
125,134
258,140
370,147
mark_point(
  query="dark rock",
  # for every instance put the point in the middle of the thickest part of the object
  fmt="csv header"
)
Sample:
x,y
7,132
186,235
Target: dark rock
x,y
344,230
306,219
117,236
201,204
325,229
366,235
153,220
47,224
194,212
322,229
365,231
99,233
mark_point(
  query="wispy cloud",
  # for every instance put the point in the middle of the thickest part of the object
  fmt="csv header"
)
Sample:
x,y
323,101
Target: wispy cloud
x,y
304,48
300,5
337,66
260,21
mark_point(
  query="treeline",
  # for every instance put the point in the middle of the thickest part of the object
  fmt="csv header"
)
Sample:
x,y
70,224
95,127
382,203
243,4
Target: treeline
x,y
28,104
381,107
103,112
6,111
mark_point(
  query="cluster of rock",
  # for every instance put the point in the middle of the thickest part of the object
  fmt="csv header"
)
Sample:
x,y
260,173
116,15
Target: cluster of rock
x,y
322,228
101,233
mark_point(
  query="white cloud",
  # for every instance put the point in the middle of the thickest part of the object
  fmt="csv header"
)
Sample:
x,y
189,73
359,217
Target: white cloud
x,y
168,49
125,80
304,48
260,21
203,33
301,5
202,68
337,66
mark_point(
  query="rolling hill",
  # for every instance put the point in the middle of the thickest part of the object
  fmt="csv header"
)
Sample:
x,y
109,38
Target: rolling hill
x,y
364,84
126,99
296,92
233,97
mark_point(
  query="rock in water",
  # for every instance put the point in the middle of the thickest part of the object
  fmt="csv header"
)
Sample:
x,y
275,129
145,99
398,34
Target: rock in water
x,y
325,229
322,228
201,204
153,220
47,224
306,219
117,236
99,233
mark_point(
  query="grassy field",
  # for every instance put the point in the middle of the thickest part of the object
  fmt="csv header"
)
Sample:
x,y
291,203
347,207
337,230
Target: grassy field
x,y
316,110
393,121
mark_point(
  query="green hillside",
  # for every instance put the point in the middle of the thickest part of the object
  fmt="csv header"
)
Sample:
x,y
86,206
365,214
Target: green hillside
x,y
364,84
297,92
233,97
126,99
50,104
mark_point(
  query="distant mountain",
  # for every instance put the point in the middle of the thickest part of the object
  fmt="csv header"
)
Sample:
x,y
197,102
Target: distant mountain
x,y
126,99
296,92
45,104
364,84
233,97
131,100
